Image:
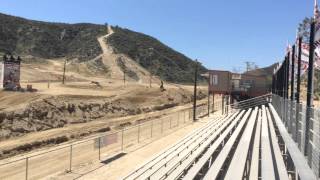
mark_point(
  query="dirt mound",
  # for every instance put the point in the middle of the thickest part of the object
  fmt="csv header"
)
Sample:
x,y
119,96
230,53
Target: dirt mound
x,y
58,111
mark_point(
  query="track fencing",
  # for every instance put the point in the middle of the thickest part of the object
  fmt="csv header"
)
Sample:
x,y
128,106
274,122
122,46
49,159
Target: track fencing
x,y
294,117
68,157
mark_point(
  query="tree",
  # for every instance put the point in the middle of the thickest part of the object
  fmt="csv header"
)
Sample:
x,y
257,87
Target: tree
x,y
250,66
304,29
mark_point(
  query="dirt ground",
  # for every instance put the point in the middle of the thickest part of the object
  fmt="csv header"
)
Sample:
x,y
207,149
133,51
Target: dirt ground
x,y
121,167
29,119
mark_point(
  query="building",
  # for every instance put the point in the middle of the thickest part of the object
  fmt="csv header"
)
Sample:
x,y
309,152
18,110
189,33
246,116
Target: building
x,y
225,82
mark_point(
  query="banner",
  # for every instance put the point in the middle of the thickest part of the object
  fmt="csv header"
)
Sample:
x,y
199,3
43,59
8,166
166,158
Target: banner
x,y
11,74
106,140
305,57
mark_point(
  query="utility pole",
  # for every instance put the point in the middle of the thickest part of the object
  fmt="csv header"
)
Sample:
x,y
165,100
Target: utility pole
x,y
195,91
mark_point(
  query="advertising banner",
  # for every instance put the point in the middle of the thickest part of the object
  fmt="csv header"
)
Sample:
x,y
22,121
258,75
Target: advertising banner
x,y
11,74
106,140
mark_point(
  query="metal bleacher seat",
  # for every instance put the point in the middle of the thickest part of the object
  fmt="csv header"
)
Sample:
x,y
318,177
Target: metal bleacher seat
x,y
244,144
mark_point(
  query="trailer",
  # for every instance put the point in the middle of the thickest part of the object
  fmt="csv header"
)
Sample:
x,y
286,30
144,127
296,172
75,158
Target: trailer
x,y
240,86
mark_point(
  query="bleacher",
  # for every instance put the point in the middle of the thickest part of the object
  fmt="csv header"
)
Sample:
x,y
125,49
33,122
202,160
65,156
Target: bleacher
x,y
247,143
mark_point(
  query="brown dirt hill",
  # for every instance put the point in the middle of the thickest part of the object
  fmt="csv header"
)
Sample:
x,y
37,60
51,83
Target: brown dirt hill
x,y
79,42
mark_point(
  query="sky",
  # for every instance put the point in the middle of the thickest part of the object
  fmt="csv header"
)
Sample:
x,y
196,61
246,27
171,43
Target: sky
x,y
221,34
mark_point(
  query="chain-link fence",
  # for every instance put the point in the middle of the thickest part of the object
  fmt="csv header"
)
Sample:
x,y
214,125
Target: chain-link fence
x,y
294,116
66,158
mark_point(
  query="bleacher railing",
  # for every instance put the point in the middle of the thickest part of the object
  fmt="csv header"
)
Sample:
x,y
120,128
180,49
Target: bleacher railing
x,y
294,117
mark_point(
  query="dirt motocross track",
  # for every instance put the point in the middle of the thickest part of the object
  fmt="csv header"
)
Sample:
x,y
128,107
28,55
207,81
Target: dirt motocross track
x,y
94,99
79,109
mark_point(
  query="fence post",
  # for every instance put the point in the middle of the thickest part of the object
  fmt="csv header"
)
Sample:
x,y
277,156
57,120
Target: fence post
x,y
178,118
139,133
151,127
70,164
99,148
122,139
161,125
27,167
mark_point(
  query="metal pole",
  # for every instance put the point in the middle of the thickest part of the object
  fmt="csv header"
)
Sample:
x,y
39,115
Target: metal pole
x,y
99,148
222,105
139,133
299,70
124,76
288,76
213,102
178,118
122,140
64,71
151,127
27,167
208,100
70,164
161,125
298,88
292,71
150,80
310,86
195,91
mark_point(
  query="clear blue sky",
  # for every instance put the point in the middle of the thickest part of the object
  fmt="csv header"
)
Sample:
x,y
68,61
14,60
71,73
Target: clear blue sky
x,y
221,33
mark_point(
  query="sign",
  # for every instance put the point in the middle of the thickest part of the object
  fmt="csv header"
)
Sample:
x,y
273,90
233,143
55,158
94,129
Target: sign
x,y
106,140
11,74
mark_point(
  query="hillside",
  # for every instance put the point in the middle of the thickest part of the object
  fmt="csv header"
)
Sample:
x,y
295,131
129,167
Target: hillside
x,y
266,71
44,40
49,40
153,55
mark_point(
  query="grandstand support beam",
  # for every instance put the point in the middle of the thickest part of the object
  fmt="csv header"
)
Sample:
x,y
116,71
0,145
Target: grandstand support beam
x,y
292,72
310,85
299,70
